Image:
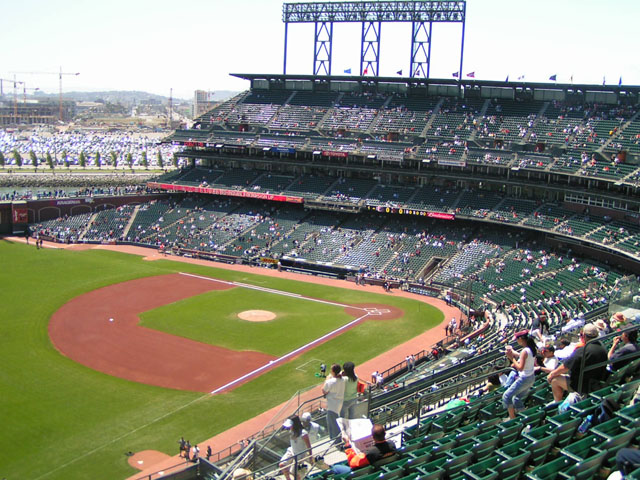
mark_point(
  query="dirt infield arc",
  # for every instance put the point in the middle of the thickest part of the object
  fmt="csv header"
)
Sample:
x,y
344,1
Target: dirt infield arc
x,y
100,329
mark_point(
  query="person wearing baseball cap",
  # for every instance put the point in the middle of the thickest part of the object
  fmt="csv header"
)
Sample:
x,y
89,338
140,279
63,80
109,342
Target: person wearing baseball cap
x,y
520,381
299,449
566,377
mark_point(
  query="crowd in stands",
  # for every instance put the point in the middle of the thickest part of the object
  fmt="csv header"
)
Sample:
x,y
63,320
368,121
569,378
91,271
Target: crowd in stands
x,y
70,192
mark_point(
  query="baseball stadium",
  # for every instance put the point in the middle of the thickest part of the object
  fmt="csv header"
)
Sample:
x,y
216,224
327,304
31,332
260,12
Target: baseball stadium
x,y
471,246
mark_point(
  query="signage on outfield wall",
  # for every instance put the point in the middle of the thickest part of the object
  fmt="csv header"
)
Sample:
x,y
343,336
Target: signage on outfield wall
x,y
189,143
20,215
283,150
229,193
330,153
412,211
451,162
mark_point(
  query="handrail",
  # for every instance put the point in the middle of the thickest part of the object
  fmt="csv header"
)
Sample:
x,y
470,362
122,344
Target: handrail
x,y
268,428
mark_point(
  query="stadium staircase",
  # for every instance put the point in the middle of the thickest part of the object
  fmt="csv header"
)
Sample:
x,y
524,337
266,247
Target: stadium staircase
x,y
617,135
376,119
87,228
434,114
130,222
481,114
326,116
268,125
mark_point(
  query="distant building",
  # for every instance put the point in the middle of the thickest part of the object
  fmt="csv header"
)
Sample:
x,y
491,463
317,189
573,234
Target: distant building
x,y
14,112
202,102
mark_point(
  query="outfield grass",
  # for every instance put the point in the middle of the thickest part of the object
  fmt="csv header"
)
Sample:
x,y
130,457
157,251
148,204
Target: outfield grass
x,y
61,420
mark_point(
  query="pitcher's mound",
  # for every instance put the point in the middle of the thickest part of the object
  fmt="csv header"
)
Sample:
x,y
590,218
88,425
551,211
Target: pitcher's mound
x,y
257,315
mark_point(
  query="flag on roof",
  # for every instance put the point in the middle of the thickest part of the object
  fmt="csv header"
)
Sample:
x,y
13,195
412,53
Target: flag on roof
x,y
455,74
521,77
471,74
620,82
604,80
348,70
553,77
506,79
571,78
399,72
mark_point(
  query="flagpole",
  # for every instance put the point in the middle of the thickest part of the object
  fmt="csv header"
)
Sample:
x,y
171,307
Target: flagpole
x,y
464,21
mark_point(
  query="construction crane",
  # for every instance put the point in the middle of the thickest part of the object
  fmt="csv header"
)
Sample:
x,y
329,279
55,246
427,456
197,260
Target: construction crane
x,y
60,74
24,91
15,95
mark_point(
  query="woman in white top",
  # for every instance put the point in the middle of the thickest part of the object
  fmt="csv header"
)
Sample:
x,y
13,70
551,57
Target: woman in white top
x,y
333,390
522,379
299,449
350,390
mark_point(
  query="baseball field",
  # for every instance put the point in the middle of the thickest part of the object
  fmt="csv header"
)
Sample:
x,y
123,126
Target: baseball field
x,y
104,353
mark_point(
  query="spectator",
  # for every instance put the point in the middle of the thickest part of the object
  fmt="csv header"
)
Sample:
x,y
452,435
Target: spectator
x,y
603,328
549,360
522,379
566,377
333,390
565,349
630,339
299,446
350,390
573,324
380,449
314,429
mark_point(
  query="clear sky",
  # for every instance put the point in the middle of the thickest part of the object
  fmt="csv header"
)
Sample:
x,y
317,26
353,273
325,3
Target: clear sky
x,y
195,44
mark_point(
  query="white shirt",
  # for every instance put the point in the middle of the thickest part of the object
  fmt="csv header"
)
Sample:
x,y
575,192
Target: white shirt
x,y
528,369
551,363
334,390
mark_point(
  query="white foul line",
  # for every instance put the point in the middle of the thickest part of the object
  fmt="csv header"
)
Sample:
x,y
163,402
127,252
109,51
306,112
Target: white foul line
x,y
275,292
367,312
294,352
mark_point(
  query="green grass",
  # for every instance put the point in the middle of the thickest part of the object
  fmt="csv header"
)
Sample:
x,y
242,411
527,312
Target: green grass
x,y
62,420
213,318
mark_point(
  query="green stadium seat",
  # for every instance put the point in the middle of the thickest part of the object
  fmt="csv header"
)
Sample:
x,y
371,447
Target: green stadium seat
x,y
582,449
483,448
392,474
532,416
465,434
419,457
613,444
433,470
542,440
400,463
512,468
585,407
509,430
361,472
630,414
456,463
586,469
610,428
485,470
566,424
550,470
513,449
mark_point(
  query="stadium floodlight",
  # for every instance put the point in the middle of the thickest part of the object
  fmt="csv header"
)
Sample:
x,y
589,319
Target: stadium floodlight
x,y
421,14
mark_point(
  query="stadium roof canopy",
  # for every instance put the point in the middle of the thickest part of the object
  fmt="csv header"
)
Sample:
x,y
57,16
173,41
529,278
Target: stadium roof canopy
x,y
442,86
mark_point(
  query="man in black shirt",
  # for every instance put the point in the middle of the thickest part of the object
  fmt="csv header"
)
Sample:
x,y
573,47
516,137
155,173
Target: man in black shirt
x,y
380,449
566,377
